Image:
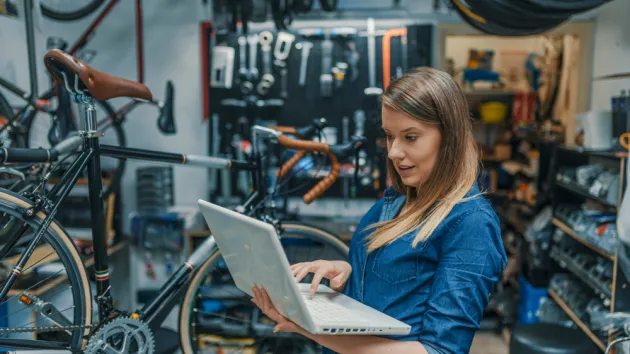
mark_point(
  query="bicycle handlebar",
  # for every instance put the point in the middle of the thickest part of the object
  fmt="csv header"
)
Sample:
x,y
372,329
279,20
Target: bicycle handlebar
x,y
334,152
12,155
306,132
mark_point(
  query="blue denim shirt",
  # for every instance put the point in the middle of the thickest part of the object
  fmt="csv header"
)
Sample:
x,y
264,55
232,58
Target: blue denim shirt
x,y
441,287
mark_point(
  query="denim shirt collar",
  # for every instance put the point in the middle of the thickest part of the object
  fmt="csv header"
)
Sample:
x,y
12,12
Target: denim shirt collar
x,y
393,202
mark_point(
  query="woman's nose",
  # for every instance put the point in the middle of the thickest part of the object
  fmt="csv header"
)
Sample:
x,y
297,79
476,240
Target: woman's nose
x,y
395,151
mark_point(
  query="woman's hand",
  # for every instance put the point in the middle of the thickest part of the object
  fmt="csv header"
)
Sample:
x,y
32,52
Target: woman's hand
x,y
337,272
261,299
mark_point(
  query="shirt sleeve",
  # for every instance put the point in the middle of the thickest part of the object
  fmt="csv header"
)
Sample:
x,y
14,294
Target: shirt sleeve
x,y
470,263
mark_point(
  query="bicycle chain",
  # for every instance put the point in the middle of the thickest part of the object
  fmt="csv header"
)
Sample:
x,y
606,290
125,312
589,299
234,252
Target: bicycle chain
x,y
44,329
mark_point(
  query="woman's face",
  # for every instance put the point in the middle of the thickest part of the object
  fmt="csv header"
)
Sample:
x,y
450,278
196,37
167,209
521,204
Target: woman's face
x,y
412,146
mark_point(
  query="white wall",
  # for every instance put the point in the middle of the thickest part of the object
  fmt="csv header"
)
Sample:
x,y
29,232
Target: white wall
x,y
612,52
172,51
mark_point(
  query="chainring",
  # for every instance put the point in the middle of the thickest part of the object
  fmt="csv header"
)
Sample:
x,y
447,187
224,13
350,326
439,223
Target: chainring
x,y
123,335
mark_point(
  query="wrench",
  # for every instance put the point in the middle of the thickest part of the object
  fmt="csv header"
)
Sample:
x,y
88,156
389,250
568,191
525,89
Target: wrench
x,y
283,46
373,90
265,40
283,83
252,39
306,49
352,57
326,78
265,84
242,55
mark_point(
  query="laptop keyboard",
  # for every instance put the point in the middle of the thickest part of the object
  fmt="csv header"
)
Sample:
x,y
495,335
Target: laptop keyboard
x,y
328,312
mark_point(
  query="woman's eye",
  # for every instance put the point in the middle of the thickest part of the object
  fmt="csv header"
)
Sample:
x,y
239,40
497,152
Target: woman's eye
x,y
411,137
389,137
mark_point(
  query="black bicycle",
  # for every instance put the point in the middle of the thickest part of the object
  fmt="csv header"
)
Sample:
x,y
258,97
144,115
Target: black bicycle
x,y
44,276
46,120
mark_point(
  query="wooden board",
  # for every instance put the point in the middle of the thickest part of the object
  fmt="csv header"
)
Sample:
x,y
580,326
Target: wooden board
x,y
576,319
564,227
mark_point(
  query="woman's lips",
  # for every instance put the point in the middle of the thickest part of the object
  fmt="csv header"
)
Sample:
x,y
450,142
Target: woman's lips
x,y
405,170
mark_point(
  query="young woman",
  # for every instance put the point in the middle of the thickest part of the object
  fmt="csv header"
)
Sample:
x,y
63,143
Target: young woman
x,y
430,252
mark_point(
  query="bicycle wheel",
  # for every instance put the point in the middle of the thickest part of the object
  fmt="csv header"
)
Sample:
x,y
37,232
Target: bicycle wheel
x,y
213,309
39,135
53,274
69,10
9,138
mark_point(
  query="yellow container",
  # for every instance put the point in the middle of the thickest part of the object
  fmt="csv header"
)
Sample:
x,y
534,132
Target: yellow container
x,y
493,112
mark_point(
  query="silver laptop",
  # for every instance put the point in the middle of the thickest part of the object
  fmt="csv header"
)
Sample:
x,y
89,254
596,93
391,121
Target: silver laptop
x,y
254,256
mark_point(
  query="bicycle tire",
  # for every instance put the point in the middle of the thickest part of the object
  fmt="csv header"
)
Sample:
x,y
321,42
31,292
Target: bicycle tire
x,y
495,28
186,308
71,15
120,137
14,205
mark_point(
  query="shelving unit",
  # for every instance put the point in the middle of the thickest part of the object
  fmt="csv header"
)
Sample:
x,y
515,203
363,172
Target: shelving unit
x,y
572,193
577,189
576,319
569,231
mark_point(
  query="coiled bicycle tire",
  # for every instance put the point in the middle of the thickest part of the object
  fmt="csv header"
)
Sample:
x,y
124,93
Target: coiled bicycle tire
x,y
486,26
73,14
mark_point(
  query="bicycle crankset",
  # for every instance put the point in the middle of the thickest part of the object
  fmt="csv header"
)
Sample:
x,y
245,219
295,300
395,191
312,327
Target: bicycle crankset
x,y
122,336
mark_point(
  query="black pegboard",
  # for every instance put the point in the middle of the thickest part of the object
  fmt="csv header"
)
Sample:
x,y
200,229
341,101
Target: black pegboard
x,y
303,104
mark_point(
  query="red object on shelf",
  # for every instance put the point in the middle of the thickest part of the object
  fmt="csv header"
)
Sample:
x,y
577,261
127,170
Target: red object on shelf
x,y
523,107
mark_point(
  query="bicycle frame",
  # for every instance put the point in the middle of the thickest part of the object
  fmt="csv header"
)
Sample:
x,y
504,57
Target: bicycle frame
x,y
90,158
34,103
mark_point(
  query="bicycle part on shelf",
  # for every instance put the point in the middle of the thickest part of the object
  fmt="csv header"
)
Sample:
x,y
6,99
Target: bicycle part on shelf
x,y
305,51
216,147
281,11
345,138
283,83
624,140
122,335
326,78
242,58
328,5
222,67
283,46
265,39
154,189
246,87
359,123
339,73
372,90
56,43
404,54
164,232
265,84
252,40
352,57
302,6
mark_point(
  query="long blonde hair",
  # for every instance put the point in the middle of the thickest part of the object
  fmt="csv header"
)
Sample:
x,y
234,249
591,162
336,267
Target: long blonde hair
x,y
431,95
